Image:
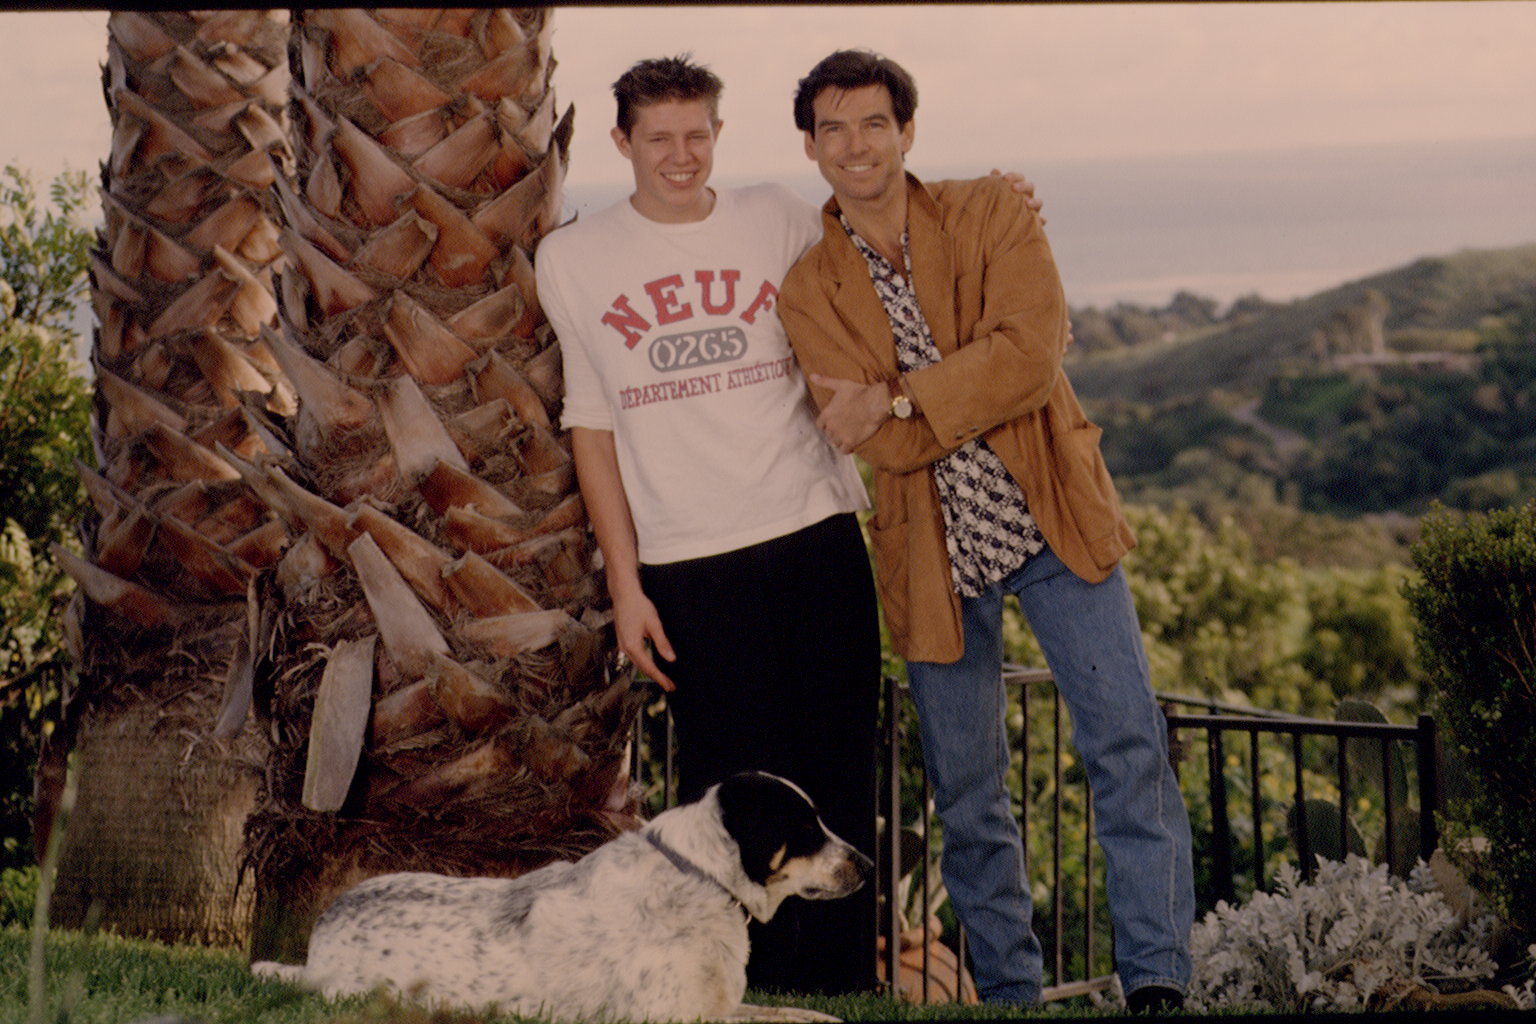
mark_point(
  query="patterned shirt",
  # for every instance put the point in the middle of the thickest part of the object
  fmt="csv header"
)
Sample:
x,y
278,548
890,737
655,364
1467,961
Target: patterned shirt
x,y
987,526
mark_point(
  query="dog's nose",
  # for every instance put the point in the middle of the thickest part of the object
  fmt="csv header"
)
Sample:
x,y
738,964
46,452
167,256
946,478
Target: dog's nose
x,y
862,865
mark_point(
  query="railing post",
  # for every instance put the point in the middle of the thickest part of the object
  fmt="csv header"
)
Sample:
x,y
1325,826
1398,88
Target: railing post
x,y
1303,820
1343,796
1389,805
927,820
1221,827
1058,915
1088,901
1256,799
1428,749
891,868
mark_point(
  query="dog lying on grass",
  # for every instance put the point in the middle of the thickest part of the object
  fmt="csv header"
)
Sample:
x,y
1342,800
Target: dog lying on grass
x,y
651,926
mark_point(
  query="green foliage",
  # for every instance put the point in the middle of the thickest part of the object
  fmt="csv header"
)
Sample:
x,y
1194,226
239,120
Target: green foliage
x,y
1336,442
1360,635
43,251
44,402
1400,437
44,429
1313,403
1476,608
1220,622
18,895
1142,439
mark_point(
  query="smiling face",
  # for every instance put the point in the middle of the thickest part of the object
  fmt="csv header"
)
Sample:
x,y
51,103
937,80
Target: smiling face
x,y
857,143
672,149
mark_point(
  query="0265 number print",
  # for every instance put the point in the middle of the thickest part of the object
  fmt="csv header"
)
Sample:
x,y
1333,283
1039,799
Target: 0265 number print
x,y
698,348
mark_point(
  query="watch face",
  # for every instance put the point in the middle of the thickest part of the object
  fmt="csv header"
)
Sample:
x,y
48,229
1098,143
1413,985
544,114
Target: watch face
x,y
901,407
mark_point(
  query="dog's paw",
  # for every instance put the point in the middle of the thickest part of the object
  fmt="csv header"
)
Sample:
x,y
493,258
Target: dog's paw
x,y
788,1014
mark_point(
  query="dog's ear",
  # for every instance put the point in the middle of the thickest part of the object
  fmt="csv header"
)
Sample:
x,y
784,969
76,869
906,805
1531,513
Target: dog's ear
x,y
770,821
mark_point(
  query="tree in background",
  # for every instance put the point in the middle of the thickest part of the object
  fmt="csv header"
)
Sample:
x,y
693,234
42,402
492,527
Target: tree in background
x,y
43,415
1221,622
42,248
1476,607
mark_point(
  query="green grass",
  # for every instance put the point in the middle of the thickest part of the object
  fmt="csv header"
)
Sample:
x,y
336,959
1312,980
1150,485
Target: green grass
x,y
103,979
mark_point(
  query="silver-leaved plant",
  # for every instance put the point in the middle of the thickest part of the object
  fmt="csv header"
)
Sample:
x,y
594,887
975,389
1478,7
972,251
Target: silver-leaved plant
x,y
1331,943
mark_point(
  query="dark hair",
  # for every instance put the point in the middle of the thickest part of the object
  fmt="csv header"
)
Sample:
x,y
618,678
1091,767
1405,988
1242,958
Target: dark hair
x,y
854,69
665,78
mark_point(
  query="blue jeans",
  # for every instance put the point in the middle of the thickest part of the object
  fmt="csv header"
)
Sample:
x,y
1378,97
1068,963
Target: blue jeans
x,y
1092,643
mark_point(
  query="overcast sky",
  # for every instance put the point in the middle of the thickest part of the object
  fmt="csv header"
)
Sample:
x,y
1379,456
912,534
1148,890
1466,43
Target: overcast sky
x,y
998,82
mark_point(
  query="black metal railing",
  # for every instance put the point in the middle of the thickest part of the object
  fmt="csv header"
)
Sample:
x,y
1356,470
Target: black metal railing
x,y
1381,741
1056,946
1074,947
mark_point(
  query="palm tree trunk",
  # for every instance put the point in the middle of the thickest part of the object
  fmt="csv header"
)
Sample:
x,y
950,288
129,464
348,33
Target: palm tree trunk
x,y
182,287
435,665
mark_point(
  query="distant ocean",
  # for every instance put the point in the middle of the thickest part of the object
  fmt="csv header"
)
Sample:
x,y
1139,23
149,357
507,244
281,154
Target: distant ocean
x,y
1280,225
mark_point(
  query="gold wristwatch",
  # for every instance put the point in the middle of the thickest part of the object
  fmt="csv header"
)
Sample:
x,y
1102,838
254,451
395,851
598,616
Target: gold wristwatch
x,y
901,406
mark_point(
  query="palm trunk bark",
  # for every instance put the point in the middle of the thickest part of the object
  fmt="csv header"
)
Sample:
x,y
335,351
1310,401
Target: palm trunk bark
x,y
435,660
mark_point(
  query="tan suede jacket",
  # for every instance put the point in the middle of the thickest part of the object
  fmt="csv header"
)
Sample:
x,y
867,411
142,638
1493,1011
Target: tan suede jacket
x,y
990,292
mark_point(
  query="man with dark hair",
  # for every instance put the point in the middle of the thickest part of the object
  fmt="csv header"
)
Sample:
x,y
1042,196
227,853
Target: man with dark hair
x,y
726,521
852,69
931,322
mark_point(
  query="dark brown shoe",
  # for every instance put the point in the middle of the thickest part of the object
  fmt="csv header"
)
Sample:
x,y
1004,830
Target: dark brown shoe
x,y
1154,999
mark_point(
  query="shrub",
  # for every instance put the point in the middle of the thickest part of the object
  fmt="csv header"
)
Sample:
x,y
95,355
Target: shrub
x,y
1333,943
1476,607
44,429
18,895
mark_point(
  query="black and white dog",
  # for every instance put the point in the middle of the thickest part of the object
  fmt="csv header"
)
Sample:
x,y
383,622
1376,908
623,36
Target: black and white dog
x,y
650,926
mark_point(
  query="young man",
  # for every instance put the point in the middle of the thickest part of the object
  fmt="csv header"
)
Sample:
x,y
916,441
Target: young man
x,y
931,322
726,522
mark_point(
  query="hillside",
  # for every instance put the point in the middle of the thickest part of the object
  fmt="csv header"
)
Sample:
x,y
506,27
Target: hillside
x,y
1435,297
1327,426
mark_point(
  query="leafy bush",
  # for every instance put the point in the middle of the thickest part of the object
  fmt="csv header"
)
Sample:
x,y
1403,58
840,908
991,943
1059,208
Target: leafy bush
x,y
1220,621
44,417
43,248
1333,943
18,895
1476,606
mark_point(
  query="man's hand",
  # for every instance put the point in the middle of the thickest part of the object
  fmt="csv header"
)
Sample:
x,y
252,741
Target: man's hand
x,y
1025,187
635,621
854,412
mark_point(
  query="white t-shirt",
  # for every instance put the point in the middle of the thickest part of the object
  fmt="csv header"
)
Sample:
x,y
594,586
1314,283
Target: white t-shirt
x,y
671,339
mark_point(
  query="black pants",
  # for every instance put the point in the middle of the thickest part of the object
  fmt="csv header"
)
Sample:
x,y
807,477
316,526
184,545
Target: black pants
x,y
778,669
